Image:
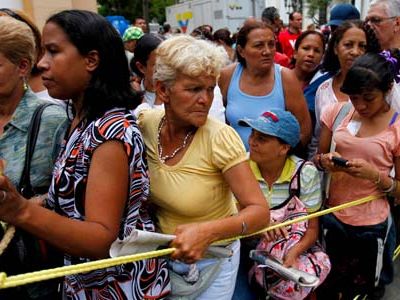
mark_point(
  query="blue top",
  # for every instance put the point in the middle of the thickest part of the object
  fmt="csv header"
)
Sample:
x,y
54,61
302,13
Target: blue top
x,y
13,141
241,105
310,91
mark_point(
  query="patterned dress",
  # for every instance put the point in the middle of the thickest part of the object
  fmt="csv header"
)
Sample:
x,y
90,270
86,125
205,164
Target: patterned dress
x,y
147,279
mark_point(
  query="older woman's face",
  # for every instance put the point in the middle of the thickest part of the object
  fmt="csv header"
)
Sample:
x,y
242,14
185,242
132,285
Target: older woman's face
x,y
352,45
265,148
11,76
189,99
259,50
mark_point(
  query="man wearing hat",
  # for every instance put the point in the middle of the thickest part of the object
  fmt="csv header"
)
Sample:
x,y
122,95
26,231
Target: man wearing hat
x,y
342,12
130,37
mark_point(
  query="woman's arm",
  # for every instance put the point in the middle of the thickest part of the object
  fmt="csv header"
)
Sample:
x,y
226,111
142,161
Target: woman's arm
x,y
193,239
224,81
308,240
296,104
385,183
105,198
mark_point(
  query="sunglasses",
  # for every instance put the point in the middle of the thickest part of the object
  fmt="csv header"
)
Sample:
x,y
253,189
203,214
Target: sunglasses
x,y
378,20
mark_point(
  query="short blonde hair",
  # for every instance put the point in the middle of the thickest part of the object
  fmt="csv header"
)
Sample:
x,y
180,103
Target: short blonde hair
x,y
189,56
16,41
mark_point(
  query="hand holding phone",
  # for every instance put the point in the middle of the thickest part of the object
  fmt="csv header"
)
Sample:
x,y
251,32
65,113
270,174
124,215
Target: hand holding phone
x,y
339,161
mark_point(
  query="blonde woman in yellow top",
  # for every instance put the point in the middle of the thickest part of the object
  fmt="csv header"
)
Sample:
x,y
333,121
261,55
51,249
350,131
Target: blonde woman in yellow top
x,y
195,164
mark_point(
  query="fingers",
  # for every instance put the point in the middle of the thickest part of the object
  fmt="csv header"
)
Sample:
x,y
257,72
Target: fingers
x,y
186,252
276,234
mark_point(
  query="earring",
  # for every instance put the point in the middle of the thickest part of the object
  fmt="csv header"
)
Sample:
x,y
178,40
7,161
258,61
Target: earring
x,y
25,85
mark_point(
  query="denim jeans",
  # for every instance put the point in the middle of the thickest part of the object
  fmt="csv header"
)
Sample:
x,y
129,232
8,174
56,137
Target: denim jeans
x,y
223,286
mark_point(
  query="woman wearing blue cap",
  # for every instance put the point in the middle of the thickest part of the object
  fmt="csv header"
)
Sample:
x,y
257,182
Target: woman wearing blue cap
x,y
286,181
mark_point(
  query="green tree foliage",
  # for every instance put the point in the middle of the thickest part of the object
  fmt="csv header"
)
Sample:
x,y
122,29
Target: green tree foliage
x,y
157,9
318,7
131,9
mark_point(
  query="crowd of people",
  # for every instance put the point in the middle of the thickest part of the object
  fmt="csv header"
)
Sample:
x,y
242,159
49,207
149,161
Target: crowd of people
x,y
204,137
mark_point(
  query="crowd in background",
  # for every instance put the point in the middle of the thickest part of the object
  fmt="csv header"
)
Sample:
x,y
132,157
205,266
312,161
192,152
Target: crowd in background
x,y
203,137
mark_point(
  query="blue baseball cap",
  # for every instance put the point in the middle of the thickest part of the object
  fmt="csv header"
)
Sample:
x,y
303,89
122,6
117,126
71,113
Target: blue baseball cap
x,y
342,12
278,123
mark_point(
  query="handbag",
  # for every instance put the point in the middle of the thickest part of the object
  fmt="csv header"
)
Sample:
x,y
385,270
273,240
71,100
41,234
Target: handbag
x,y
314,261
27,253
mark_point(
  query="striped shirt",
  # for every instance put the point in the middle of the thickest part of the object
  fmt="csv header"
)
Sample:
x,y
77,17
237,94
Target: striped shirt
x,y
310,184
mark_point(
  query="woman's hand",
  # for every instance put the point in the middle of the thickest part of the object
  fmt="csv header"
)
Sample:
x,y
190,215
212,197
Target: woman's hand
x,y
275,234
290,259
12,204
191,242
328,164
362,169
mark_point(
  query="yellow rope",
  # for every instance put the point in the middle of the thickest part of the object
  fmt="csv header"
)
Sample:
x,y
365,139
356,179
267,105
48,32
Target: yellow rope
x,y
7,237
396,253
22,279
17,280
310,216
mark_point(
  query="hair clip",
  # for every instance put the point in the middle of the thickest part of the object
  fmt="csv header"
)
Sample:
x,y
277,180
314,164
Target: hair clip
x,y
387,55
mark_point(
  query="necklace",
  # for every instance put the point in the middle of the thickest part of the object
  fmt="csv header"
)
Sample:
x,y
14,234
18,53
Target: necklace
x,y
162,157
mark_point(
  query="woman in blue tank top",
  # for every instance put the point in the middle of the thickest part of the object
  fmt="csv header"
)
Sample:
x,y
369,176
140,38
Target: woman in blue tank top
x,y
256,84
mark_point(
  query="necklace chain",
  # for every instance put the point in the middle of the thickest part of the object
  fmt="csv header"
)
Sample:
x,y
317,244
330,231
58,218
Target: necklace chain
x,y
162,157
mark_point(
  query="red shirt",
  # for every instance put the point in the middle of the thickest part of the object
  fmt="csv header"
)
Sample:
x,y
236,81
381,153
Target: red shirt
x,y
287,41
282,59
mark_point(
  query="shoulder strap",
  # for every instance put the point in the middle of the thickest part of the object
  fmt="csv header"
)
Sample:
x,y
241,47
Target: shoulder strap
x,y
25,186
344,110
295,186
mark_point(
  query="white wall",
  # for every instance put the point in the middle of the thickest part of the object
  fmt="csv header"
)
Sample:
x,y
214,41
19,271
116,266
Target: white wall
x,y
14,4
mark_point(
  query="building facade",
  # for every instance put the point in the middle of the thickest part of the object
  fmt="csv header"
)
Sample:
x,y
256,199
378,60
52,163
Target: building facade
x,y
40,10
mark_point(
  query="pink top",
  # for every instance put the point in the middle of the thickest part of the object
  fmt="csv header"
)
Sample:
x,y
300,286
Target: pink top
x,y
379,150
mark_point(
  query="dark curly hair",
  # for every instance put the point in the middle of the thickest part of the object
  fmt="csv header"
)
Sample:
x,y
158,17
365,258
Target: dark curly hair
x,y
372,71
331,61
109,86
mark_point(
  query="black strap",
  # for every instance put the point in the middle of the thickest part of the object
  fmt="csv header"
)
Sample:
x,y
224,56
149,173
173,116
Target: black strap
x,y
294,186
25,185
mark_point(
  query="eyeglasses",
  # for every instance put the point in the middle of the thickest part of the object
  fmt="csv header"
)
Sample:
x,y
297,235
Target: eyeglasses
x,y
378,20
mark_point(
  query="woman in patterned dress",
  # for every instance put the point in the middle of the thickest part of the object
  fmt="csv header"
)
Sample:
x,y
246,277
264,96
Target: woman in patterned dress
x,y
100,178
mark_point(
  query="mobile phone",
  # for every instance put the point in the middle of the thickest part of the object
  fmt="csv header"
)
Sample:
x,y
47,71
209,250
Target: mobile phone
x,y
340,162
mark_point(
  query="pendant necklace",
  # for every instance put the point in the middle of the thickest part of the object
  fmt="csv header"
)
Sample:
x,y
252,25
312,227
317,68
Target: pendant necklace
x,y
162,157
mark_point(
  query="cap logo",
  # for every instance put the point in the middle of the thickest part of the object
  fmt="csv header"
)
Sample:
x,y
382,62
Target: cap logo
x,y
271,115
